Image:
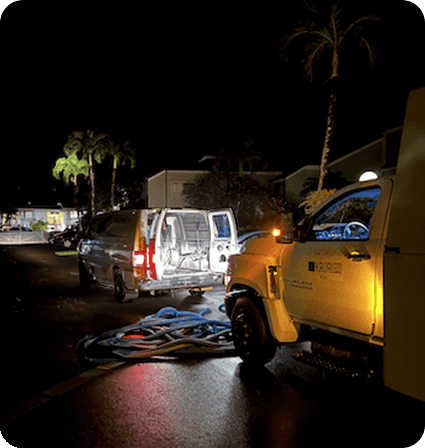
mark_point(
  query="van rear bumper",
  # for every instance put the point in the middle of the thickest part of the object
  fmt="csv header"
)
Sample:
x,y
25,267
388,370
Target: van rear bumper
x,y
183,282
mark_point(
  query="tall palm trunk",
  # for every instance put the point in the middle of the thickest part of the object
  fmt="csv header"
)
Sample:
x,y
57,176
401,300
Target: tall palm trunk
x,y
75,201
93,192
114,177
76,190
327,144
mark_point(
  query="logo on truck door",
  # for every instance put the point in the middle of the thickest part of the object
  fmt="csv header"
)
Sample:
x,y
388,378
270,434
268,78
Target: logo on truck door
x,y
323,270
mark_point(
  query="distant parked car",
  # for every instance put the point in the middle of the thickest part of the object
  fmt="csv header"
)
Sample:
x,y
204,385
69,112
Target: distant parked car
x,y
69,238
20,229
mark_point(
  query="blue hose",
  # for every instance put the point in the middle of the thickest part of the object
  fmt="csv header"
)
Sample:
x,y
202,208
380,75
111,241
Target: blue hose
x,y
169,332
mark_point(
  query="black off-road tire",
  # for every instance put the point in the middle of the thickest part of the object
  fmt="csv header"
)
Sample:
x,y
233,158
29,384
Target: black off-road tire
x,y
85,281
251,335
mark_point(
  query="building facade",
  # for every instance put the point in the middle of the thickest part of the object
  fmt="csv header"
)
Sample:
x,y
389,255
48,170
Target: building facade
x,y
57,219
166,188
379,156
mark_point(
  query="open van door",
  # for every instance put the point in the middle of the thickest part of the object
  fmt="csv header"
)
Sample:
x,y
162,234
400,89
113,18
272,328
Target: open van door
x,y
223,238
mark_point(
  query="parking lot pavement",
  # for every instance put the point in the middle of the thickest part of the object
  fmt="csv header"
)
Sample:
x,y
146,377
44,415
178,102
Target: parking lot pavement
x,y
202,403
48,398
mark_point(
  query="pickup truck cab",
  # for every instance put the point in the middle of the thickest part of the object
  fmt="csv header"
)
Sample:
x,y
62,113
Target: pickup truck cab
x,y
349,277
157,249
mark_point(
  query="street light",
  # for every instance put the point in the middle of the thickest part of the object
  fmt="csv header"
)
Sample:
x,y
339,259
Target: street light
x,y
368,175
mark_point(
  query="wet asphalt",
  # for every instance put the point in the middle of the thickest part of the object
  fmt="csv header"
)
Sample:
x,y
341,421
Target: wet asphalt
x,y
49,398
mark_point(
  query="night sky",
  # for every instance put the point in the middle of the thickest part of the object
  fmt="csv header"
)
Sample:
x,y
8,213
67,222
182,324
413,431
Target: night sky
x,y
180,81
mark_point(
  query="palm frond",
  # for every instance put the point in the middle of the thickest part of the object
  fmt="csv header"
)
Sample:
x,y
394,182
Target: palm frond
x,y
70,167
307,36
356,24
371,49
307,5
315,53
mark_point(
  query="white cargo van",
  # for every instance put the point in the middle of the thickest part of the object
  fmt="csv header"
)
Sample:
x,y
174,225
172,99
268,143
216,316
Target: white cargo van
x,y
157,249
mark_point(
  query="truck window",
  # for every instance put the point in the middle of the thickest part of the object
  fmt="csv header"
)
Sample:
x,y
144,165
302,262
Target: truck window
x,y
348,218
221,226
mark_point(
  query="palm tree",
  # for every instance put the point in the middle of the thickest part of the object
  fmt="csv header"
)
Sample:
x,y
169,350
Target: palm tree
x,y
70,167
90,146
324,33
121,154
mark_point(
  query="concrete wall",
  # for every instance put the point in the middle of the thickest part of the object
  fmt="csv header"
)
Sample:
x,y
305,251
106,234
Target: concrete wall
x,y
37,237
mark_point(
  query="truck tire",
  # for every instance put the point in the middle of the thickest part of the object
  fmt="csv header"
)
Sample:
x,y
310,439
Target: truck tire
x,y
122,294
196,292
251,336
85,281
119,287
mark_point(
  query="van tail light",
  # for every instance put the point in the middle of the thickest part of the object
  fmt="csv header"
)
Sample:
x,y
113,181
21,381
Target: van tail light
x,y
139,263
139,257
144,261
152,265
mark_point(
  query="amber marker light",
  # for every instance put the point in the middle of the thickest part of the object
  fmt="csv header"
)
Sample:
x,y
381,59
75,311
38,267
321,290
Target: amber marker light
x,y
276,233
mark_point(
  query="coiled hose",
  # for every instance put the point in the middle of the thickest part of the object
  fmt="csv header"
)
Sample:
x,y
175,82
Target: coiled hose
x,y
167,333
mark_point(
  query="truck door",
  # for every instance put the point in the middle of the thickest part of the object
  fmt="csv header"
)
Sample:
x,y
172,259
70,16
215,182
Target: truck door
x,y
330,279
223,239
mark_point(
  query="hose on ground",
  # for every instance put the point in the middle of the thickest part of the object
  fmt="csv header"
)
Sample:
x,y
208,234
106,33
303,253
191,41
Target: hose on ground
x,y
169,332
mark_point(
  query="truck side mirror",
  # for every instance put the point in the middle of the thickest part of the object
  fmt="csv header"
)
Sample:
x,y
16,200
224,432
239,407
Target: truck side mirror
x,y
302,229
299,233
284,231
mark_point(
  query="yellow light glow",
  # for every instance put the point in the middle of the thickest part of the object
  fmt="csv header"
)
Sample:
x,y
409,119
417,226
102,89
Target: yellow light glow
x,y
55,217
276,232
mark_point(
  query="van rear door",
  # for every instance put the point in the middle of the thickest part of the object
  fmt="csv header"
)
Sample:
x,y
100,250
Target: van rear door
x,y
182,243
193,242
223,239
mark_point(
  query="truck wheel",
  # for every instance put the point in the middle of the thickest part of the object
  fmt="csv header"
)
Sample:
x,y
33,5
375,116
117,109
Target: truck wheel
x,y
119,287
251,336
84,278
196,292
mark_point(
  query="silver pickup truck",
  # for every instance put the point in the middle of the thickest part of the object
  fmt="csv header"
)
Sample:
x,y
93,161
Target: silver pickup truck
x,y
157,249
